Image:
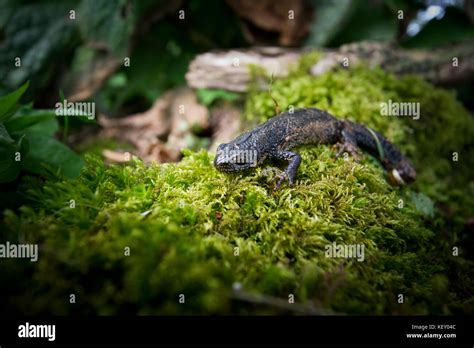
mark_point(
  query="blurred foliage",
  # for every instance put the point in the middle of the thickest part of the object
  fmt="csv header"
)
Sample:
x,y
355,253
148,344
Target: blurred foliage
x,y
327,22
150,72
48,35
49,39
344,21
41,35
27,143
339,22
109,22
158,64
56,50
208,97
367,21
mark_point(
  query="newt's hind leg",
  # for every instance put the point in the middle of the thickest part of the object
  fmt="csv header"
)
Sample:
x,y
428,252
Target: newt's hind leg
x,y
290,172
348,144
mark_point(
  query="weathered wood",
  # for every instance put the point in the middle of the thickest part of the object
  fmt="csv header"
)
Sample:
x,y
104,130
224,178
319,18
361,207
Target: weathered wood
x,y
229,70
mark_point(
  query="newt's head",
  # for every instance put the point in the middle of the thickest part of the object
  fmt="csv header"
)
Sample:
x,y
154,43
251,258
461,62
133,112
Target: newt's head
x,y
232,158
403,173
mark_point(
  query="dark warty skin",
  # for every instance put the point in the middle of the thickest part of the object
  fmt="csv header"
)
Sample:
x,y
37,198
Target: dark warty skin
x,y
275,138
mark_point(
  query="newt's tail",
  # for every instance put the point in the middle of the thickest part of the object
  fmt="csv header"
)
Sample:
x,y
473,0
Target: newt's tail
x,y
399,168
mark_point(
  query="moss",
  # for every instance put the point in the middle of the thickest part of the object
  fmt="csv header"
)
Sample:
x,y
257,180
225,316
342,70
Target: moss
x,y
184,221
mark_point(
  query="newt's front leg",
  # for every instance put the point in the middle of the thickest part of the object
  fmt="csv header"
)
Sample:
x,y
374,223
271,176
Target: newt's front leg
x,y
289,174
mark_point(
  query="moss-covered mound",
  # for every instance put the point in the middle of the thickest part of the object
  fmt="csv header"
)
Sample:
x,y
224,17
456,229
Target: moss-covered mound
x,y
133,238
443,128
182,223
185,244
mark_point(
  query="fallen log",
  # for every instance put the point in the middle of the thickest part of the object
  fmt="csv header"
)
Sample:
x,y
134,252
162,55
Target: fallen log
x,y
229,70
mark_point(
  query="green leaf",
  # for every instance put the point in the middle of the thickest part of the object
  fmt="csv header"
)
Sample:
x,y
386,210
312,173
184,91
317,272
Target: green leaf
x,y
4,135
9,167
41,34
25,119
46,128
47,154
9,101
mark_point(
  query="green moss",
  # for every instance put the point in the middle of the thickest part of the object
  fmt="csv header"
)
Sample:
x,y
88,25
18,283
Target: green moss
x,y
184,221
